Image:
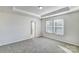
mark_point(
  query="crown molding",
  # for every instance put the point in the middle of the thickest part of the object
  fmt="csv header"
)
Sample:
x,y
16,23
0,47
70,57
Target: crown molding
x,y
25,12
70,11
53,10
33,14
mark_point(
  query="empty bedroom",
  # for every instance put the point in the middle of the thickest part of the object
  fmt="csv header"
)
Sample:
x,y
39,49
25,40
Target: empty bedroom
x,y
39,29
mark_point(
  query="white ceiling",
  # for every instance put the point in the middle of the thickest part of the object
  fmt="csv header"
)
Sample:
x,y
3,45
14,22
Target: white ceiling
x,y
36,10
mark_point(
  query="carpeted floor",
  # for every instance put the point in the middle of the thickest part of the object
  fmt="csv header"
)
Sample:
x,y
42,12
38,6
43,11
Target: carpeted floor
x,y
36,45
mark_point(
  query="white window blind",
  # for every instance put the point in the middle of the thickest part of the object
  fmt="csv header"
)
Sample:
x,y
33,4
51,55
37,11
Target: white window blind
x,y
55,26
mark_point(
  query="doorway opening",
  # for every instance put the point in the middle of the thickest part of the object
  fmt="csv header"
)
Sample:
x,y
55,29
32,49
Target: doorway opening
x,y
33,29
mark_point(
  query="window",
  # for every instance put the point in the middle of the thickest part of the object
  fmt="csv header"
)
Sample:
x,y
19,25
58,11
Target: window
x,y
55,26
49,26
59,26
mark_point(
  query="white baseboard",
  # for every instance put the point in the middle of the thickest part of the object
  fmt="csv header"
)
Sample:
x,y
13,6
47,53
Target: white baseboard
x,y
7,43
63,41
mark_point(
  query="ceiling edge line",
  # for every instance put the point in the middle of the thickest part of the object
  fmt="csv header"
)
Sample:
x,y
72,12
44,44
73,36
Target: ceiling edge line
x,y
53,10
25,12
72,10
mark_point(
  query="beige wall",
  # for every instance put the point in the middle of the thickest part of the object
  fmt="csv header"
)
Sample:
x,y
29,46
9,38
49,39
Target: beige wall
x,y
71,28
16,27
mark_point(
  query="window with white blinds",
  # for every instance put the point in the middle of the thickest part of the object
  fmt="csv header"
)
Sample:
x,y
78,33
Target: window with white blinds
x,y
55,26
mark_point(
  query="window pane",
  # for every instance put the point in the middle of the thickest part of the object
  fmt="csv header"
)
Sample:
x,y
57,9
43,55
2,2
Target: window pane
x,y
49,29
49,26
59,30
59,22
49,23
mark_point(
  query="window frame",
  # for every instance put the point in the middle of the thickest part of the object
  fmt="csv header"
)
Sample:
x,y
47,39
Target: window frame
x,y
54,26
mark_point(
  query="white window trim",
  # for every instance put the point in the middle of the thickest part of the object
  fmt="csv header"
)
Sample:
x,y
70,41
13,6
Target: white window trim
x,y
54,32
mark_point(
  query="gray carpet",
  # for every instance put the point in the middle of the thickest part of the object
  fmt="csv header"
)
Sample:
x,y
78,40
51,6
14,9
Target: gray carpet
x,y
36,45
